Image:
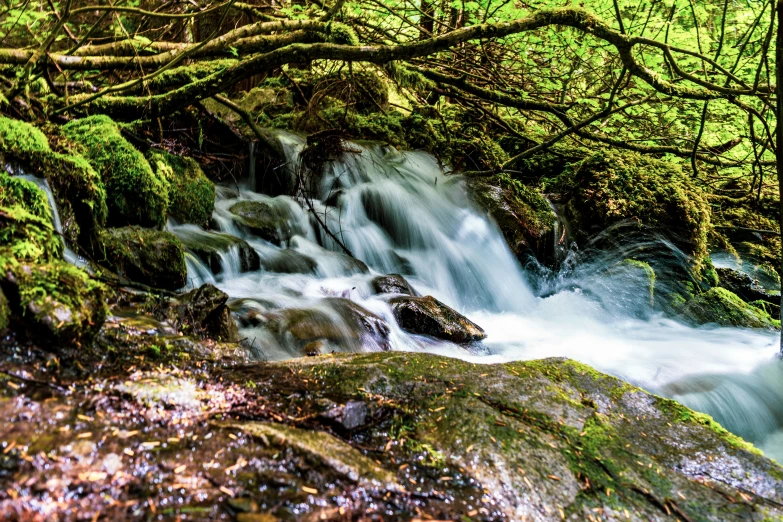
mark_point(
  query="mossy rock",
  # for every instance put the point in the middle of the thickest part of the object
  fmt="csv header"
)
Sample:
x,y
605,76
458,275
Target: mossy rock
x,y
271,221
549,436
522,214
79,194
720,306
5,313
26,230
146,256
135,194
289,261
191,193
211,246
54,303
20,141
428,316
17,191
609,187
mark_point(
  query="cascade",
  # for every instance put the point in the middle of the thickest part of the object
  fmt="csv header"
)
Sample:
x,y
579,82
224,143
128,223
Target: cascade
x,y
398,212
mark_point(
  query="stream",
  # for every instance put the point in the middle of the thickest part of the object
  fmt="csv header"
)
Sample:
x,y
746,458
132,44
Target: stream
x,y
399,213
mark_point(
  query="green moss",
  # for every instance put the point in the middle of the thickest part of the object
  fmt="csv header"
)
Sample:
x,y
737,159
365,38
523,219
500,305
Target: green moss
x,y
56,302
682,413
26,237
20,140
18,191
135,194
725,308
5,312
191,194
648,275
341,34
610,186
151,257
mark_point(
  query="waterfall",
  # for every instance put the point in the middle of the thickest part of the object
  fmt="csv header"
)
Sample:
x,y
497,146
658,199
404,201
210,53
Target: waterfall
x,y
398,212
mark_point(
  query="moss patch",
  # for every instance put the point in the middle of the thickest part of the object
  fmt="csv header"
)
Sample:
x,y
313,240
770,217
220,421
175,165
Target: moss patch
x,y
20,141
191,194
135,194
725,308
150,257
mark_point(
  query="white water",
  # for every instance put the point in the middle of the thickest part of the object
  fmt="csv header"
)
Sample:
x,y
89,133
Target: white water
x,y
399,213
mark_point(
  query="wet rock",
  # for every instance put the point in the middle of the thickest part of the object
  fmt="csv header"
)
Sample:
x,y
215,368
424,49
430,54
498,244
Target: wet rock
x,y
151,257
209,246
160,390
340,321
392,284
534,434
71,310
267,220
5,312
287,261
725,308
325,448
428,316
205,311
349,416
747,289
522,214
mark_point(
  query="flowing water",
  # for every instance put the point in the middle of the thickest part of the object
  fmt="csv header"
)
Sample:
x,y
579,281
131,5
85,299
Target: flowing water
x,y
400,213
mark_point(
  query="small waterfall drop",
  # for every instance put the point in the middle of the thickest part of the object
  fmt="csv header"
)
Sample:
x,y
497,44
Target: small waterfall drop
x,y
398,212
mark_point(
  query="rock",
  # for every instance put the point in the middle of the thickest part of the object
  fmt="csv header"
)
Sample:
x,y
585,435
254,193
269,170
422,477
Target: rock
x,y
610,187
340,321
324,448
725,308
522,214
191,193
135,194
151,257
627,286
392,284
349,416
204,310
208,246
534,434
288,261
70,311
271,220
744,286
428,316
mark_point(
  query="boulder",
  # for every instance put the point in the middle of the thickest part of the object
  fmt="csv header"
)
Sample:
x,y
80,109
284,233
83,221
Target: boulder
x,y
722,307
610,187
191,193
135,194
392,284
288,261
54,303
267,220
203,311
151,257
208,246
747,289
522,214
339,322
428,316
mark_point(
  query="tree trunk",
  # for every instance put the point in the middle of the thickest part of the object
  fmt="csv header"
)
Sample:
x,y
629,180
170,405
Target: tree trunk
x,y
779,136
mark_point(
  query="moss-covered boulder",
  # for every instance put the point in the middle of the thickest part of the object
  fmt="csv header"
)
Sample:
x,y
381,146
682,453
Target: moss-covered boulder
x,y
5,313
135,194
539,440
522,214
213,248
609,187
428,316
271,220
26,231
20,142
54,303
191,193
720,306
151,257
748,290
